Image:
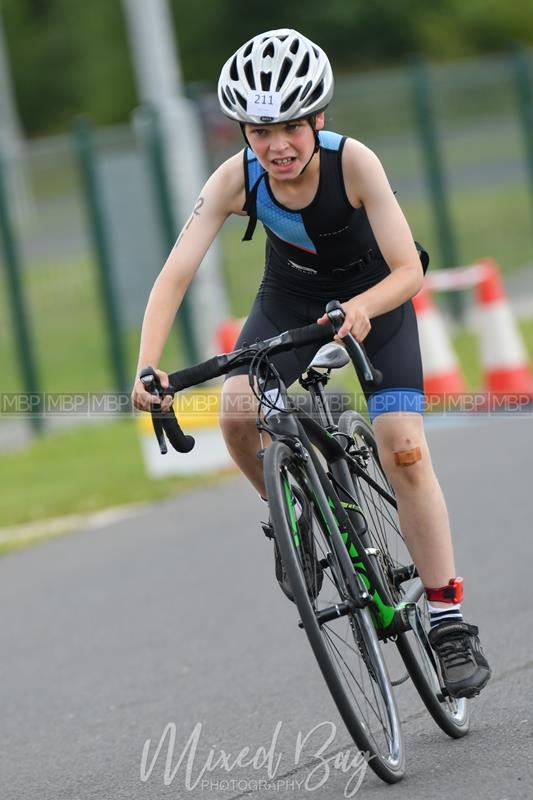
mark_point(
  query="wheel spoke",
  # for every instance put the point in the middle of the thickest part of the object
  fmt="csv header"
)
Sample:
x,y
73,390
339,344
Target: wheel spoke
x,y
385,535
370,706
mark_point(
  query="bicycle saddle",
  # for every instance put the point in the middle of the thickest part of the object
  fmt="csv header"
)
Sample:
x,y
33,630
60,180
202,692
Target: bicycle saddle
x,y
330,356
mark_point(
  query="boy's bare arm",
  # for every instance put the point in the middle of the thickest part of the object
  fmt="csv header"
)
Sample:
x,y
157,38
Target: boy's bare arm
x,y
222,195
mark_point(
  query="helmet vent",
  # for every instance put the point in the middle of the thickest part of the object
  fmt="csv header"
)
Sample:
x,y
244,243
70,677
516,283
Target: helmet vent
x,y
315,95
269,50
290,100
225,95
304,67
233,71
266,80
294,46
284,71
249,72
229,95
241,99
306,89
248,49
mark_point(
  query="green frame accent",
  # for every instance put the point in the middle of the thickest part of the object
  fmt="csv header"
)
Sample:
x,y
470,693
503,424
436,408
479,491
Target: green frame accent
x,y
383,613
312,434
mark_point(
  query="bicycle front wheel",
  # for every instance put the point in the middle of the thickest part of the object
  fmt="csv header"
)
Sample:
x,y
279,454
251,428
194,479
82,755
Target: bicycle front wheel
x,y
385,536
341,635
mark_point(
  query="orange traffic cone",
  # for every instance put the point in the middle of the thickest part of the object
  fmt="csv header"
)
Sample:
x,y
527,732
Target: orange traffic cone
x,y
228,333
503,353
442,374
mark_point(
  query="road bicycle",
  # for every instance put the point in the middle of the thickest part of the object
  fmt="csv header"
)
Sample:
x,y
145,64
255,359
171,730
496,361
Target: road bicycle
x,y
357,593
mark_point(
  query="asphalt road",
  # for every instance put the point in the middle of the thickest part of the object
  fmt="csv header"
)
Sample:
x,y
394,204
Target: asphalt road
x,y
172,621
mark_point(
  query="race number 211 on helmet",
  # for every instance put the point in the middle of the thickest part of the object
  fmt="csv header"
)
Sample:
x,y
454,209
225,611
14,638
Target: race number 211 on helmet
x,y
275,77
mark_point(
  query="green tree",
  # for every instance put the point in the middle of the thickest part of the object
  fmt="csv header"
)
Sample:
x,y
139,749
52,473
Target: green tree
x,y
68,57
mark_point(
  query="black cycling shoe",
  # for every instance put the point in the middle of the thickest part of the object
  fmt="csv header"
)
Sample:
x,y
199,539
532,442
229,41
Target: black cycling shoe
x,y
312,569
465,669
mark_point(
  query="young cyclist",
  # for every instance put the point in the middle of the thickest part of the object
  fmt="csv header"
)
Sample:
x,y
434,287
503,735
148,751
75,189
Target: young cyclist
x,y
334,231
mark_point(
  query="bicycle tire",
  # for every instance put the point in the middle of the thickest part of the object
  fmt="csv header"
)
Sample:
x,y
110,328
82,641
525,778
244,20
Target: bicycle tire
x,y
451,715
282,469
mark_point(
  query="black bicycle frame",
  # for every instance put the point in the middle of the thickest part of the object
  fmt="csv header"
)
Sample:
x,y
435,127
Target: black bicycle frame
x,y
293,426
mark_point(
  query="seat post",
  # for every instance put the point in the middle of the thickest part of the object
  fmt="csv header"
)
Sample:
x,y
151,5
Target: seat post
x,y
324,406
314,382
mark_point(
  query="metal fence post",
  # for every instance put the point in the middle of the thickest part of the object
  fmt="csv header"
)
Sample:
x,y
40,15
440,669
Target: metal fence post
x,y
524,92
151,127
427,131
17,305
95,208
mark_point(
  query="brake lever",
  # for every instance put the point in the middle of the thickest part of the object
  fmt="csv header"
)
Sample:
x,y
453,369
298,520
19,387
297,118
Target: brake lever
x,y
152,384
371,375
165,422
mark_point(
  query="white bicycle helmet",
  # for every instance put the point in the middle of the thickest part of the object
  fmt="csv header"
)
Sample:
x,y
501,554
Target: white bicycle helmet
x,y
276,76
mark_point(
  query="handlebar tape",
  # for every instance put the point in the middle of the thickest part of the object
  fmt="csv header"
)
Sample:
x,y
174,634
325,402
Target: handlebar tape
x,y
197,374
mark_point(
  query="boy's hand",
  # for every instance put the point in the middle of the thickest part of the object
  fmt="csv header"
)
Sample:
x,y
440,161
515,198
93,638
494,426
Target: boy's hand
x,y
144,401
356,321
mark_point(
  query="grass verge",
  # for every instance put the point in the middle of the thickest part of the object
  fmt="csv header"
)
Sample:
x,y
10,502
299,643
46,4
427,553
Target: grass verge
x,y
78,472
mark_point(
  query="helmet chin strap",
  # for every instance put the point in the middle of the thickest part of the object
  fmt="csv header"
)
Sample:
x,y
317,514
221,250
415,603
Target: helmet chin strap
x,y
312,123
241,126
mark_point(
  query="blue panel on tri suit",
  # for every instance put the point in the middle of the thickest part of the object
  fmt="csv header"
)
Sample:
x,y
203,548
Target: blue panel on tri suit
x,y
330,140
394,400
254,168
287,225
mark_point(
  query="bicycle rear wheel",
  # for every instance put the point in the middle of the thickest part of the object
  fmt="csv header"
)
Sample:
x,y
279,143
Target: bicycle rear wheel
x,y
451,715
341,635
